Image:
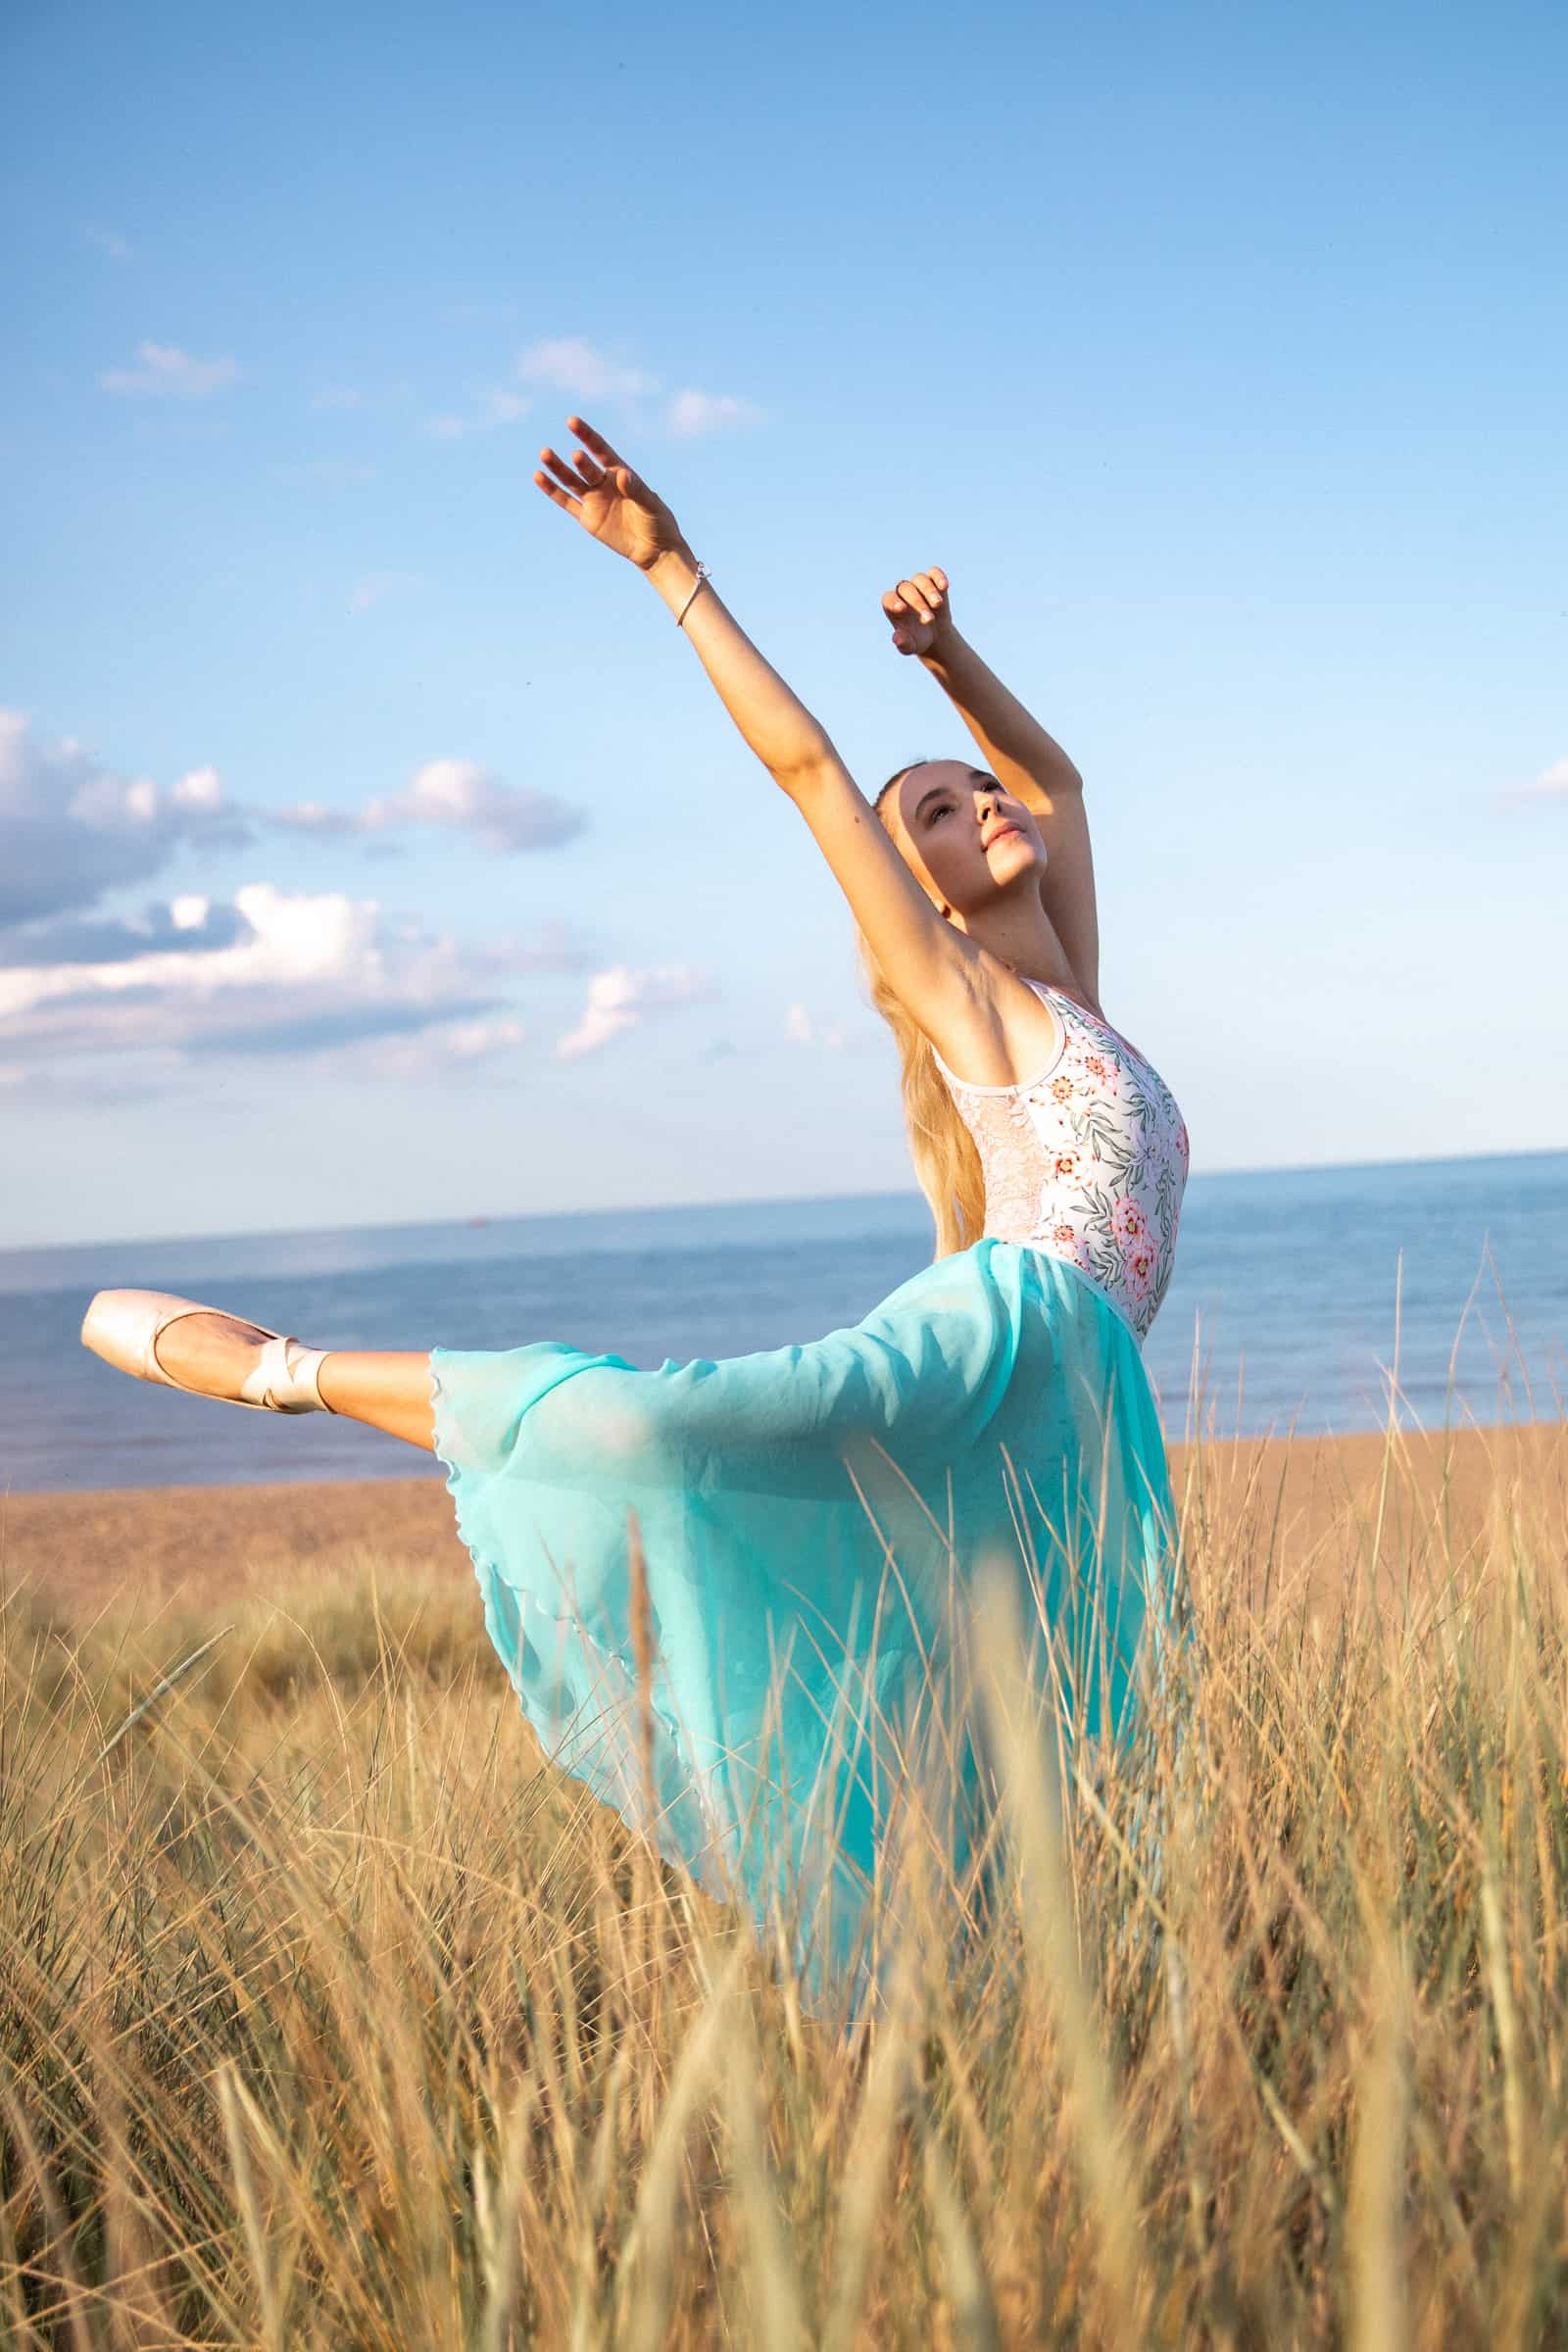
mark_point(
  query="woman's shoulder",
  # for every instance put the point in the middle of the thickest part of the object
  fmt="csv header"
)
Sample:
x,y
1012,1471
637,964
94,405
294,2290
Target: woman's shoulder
x,y
1010,1028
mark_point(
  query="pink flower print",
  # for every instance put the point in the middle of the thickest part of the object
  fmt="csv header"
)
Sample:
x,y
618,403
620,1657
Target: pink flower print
x,y
1065,1166
1095,1065
1064,1236
1063,1089
1129,1224
1138,1269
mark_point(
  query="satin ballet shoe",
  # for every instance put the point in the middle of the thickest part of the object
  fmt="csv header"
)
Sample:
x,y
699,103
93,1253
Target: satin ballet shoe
x,y
124,1327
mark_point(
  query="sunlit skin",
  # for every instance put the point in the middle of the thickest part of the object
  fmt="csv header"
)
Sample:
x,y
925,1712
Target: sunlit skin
x,y
977,853
947,819
975,849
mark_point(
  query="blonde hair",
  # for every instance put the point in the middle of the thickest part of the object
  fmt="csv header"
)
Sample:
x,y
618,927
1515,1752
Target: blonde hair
x,y
946,1165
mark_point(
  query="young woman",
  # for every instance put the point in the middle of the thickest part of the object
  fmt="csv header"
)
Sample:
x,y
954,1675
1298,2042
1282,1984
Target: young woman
x,y
810,1516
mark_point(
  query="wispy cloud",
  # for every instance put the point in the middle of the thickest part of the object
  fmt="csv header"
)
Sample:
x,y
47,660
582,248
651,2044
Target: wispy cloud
x,y
619,998
802,1030
457,794
1550,784
167,372
336,399
377,586
494,407
568,364
106,241
692,414
438,1052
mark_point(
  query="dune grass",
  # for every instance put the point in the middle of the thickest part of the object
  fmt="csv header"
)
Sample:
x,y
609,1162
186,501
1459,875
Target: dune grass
x,y
330,2016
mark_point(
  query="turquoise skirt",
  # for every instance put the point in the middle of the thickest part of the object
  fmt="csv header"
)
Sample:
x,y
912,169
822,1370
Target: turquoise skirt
x,y
812,1519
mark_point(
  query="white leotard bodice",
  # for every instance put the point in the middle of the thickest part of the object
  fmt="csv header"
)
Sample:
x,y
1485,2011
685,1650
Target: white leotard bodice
x,y
1088,1161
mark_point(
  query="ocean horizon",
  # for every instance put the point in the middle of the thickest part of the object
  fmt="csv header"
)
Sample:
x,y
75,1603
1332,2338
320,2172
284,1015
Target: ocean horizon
x,y
1319,1301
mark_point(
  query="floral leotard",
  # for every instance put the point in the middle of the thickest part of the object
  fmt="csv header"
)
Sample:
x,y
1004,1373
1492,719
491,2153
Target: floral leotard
x,y
1087,1161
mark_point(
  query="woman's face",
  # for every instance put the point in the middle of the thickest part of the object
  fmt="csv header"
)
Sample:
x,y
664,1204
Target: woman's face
x,y
966,839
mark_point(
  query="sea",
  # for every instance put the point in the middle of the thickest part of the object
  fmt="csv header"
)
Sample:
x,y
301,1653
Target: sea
x,y
1315,1301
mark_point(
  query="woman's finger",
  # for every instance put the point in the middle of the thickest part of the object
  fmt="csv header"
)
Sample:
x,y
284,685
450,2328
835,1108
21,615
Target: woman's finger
x,y
914,598
928,582
892,603
553,490
561,472
594,441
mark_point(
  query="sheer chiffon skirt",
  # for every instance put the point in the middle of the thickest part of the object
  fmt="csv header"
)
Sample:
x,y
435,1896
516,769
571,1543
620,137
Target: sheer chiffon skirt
x,y
810,1521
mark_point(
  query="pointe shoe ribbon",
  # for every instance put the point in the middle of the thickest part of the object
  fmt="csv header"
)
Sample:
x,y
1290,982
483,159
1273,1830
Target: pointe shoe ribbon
x,y
124,1327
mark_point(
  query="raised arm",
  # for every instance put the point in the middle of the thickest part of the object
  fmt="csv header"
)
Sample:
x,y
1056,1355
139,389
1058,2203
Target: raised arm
x,y
933,967
1020,753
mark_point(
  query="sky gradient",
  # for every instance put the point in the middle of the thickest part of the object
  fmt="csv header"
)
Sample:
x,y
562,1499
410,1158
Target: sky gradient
x,y
374,848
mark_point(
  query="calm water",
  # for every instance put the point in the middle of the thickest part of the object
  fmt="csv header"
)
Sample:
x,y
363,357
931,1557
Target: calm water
x,y
1282,1311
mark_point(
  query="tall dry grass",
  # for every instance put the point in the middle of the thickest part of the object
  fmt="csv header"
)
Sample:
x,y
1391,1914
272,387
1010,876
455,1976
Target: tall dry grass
x,y
330,2017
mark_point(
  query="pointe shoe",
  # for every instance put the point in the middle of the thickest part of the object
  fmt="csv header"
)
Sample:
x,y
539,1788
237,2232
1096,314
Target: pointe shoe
x,y
124,1327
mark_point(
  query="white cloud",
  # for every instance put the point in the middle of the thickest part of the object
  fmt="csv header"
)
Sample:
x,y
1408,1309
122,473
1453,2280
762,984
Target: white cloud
x,y
334,398
170,373
190,913
618,999
501,407
74,831
693,413
802,1030
106,241
438,1050
494,407
1551,784
72,828
291,940
569,365
287,974
457,794
377,586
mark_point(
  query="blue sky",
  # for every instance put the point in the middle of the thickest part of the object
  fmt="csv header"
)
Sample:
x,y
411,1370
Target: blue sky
x,y
372,847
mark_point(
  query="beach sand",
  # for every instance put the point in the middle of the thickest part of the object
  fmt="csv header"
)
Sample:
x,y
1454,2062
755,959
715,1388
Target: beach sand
x,y
1285,1506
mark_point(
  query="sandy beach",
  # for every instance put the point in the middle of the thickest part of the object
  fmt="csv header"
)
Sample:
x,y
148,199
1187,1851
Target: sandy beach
x,y
1289,1501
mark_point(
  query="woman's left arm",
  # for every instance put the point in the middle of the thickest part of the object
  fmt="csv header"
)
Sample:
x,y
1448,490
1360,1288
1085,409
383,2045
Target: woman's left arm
x,y
1020,753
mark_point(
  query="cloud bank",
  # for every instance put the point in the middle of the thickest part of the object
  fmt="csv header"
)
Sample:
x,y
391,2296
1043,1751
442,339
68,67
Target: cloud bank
x,y
269,972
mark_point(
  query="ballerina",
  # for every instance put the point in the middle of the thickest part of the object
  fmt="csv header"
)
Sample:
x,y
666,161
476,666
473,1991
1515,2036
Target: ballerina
x,y
796,1527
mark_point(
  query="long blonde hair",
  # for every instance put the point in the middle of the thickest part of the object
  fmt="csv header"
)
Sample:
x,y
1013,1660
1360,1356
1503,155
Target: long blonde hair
x,y
946,1162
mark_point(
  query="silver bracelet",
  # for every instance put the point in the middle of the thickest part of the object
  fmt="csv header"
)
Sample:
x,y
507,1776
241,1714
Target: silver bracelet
x,y
702,576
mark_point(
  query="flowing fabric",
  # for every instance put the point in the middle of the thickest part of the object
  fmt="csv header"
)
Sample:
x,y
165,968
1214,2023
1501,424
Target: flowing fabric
x,y
812,1519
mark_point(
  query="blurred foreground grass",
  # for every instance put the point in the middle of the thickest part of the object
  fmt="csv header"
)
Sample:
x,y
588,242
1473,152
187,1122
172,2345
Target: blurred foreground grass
x,y
330,2017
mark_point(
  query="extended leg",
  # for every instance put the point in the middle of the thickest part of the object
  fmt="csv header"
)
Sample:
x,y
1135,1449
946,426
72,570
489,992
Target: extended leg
x,y
391,1391
386,1389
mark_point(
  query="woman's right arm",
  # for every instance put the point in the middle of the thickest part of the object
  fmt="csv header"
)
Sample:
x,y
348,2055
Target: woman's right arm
x,y
934,969
615,507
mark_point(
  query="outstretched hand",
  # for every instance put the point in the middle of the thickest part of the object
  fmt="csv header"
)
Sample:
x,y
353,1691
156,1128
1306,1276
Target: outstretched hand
x,y
918,609
613,505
